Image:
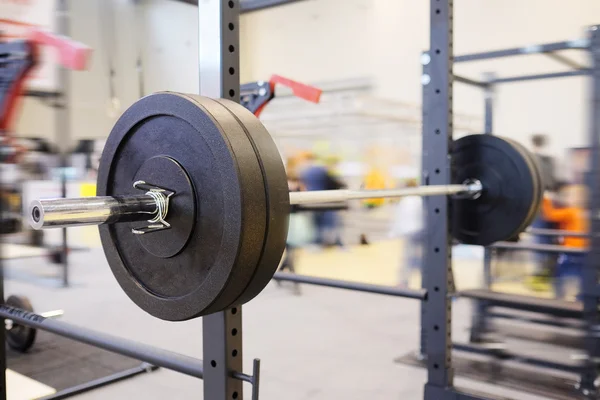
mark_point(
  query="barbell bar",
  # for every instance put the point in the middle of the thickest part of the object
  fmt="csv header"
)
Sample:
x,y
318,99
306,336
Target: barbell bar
x,y
469,189
226,202
64,213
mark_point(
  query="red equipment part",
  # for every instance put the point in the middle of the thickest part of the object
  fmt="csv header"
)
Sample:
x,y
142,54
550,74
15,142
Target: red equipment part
x,y
306,92
71,54
23,56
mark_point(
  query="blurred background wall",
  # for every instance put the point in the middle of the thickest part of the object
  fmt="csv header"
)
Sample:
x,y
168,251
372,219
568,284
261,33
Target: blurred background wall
x,y
364,53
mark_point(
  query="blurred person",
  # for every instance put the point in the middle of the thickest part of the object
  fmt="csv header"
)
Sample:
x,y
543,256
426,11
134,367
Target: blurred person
x,y
333,235
545,261
409,225
375,179
570,217
539,143
300,231
315,175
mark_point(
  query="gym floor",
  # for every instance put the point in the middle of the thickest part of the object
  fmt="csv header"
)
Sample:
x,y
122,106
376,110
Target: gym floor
x,y
323,344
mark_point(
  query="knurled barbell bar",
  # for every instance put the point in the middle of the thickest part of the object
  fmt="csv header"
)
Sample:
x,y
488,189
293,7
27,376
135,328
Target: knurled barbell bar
x,y
210,229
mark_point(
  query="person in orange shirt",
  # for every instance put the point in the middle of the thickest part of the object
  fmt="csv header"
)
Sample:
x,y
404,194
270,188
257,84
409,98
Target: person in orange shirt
x,y
572,218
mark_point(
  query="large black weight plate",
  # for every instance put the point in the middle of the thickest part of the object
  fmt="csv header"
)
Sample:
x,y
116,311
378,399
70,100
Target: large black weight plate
x,y
229,216
277,195
508,189
254,195
20,337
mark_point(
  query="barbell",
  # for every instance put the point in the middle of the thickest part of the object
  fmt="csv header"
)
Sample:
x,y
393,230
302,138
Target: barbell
x,y
153,205
193,202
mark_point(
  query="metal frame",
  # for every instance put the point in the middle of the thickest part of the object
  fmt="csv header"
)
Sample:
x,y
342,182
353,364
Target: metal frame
x,y
591,289
63,128
518,51
219,64
437,133
356,286
501,353
436,329
436,312
479,323
129,348
222,331
2,338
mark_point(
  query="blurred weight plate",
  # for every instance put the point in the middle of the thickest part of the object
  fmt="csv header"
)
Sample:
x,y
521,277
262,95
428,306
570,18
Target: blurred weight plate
x,y
205,157
538,184
509,190
277,196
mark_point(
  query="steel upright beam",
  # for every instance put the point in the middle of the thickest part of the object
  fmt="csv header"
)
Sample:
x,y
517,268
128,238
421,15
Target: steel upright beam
x,y
488,129
3,395
480,314
63,128
437,138
592,263
219,62
488,112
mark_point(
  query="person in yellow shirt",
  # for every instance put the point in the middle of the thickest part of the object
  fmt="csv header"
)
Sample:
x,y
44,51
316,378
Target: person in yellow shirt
x,y
375,179
573,217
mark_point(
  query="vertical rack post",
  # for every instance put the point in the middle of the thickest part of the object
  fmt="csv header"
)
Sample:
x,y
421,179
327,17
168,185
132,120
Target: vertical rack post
x,y
488,112
63,126
488,129
425,80
437,139
591,286
218,58
480,317
2,336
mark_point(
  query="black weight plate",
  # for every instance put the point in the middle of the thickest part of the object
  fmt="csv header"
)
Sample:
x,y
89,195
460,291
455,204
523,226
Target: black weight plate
x,y
538,187
254,194
226,213
277,194
508,189
20,337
